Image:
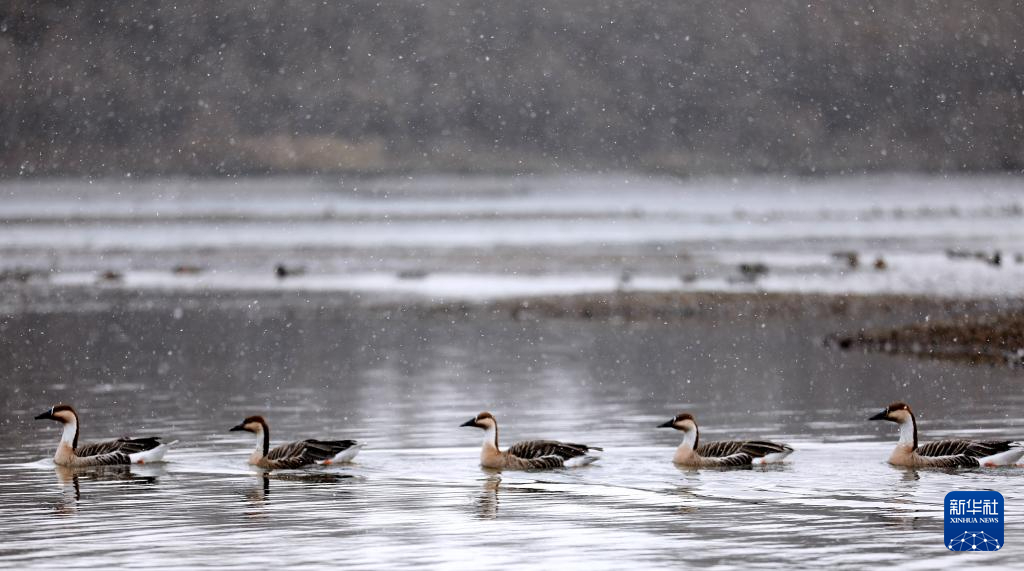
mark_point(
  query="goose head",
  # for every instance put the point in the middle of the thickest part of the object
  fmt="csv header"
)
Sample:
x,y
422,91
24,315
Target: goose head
x,y
255,424
898,412
61,413
484,420
683,421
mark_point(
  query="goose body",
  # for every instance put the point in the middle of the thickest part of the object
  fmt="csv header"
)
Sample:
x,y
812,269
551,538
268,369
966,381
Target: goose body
x,y
944,453
114,452
721,454
530,454
295,454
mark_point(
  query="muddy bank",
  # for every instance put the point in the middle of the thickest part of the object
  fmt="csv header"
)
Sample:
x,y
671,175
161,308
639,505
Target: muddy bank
x,y
987,331
996,339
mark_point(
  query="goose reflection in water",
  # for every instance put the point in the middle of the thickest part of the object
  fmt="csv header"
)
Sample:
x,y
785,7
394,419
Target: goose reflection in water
x,y
487,500
258,496
70,481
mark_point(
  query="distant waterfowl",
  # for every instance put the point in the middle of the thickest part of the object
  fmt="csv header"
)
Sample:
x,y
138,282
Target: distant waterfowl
x,y
724,453
413,274
282,271
751,272
114,452
850,257
944,453
186,269
531,454
295,454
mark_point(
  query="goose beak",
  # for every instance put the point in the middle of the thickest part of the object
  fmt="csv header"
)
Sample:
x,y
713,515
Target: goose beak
x,y
470,422
667,424
884,415
236,428
48,415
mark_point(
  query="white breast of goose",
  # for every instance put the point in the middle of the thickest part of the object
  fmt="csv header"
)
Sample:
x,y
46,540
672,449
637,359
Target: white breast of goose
x,y
904,455
65,455
686,456
686,453
258,459
490,456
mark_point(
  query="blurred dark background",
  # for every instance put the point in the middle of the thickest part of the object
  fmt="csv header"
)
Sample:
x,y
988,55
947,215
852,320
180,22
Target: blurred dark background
x,y
210,87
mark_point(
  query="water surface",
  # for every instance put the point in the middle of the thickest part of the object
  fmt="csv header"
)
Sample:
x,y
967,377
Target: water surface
x,y
402,381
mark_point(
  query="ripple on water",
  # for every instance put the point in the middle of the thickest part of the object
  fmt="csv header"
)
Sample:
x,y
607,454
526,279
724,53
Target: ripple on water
x,y
416,496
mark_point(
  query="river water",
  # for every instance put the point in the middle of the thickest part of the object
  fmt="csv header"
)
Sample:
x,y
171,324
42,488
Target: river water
x,y
189,368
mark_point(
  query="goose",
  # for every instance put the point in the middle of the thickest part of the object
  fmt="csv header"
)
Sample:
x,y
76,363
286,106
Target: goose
x,y
944,453
294,454
724,453
121,451
531,454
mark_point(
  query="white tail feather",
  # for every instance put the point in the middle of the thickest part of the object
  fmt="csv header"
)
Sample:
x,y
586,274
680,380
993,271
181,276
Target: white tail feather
x,y
1003,458
345,455
772,458
151,455
581,460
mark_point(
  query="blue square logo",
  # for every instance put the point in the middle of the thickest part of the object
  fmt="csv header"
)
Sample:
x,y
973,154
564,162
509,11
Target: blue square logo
x,y
974,521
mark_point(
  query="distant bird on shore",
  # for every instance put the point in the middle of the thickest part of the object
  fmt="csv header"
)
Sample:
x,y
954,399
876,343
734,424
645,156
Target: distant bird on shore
x,y
751,272
531,454
850,257
723,453
625,278
282,271
120,451
186,269
995,258
294,454
944,453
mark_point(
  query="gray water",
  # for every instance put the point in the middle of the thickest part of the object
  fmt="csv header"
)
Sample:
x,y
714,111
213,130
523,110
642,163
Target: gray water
x,y
402,380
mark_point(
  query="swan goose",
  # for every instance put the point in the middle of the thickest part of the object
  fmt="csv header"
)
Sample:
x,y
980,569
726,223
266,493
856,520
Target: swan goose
x,y
114,452
944,453
294,454
530,454
721,454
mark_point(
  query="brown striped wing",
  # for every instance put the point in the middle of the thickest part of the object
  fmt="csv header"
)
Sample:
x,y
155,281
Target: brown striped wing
x,y
720,449
290,462
541,463
970,448
296,454
761,448
752,448
121,445
955,461
109,459
739,459
532,449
